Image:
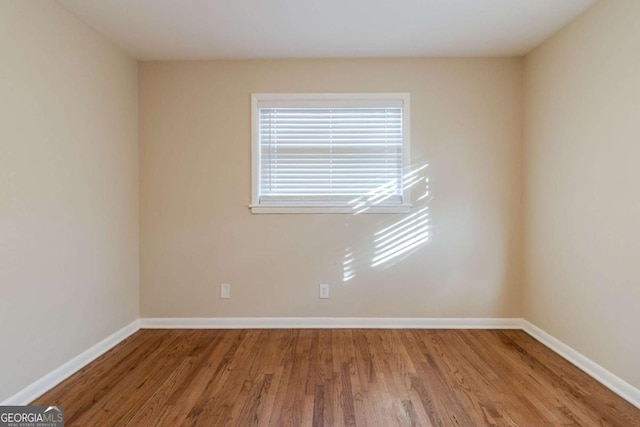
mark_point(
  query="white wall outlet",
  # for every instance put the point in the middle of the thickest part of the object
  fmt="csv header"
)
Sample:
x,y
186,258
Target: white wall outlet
x,y
324,290
225,290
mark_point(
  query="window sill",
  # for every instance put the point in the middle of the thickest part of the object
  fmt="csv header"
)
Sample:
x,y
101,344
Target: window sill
x,y
271,209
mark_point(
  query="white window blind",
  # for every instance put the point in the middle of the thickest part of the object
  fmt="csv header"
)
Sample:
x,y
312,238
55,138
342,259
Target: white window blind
x,y
346,153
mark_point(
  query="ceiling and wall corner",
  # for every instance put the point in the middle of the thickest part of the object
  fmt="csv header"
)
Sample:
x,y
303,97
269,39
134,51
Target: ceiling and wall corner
x,y
275,29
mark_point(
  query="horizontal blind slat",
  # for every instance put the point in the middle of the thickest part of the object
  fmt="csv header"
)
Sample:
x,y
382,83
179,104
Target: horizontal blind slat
x,y
330,155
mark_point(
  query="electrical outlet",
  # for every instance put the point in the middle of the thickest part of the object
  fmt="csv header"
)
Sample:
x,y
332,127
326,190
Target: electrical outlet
x,y
324,291
225,290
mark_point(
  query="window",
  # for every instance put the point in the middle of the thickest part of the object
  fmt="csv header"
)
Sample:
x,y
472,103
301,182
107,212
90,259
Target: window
x,y
330,153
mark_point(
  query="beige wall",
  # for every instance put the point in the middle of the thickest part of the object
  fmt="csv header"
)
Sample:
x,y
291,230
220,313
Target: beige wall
x,y
197,231
582,185
68,190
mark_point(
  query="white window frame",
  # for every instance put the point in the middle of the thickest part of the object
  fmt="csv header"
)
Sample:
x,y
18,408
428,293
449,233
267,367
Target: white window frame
x,y
315,99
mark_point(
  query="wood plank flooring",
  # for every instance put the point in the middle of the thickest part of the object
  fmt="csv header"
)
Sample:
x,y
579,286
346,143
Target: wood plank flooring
x,y
335,378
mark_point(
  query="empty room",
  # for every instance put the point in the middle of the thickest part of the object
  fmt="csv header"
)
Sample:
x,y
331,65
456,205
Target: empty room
x,y
319,213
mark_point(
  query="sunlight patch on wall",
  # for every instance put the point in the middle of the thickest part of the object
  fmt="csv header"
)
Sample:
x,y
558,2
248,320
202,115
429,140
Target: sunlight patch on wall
x,y
409,233
380,194
348,265
374,197
401,237
405,234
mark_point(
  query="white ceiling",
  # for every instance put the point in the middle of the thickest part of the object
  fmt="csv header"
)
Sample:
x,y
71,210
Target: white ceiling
x,y
207,29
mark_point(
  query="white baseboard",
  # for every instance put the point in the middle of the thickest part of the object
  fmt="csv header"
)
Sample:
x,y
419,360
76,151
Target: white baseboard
x,y
55,377
602,375
329,322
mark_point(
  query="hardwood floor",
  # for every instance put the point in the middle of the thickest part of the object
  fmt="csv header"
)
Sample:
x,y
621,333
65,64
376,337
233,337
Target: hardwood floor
x,y
335,378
